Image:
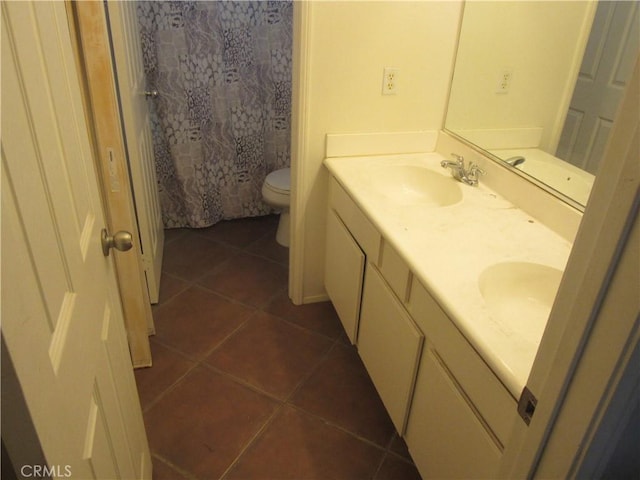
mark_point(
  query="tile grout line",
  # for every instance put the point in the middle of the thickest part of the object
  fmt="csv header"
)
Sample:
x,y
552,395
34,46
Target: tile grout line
x,y
169,389
280,403
331,423
252,441
336,344
236,249
185,473
231,334
309,374
380,463
241,382
257,389
196,361
236,301
245,248
286,404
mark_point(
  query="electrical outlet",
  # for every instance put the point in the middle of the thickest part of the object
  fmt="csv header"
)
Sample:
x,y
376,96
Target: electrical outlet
x,y
504,81
390,81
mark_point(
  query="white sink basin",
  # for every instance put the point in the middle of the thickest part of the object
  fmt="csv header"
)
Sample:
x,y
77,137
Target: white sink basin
x,y
412,184
520,294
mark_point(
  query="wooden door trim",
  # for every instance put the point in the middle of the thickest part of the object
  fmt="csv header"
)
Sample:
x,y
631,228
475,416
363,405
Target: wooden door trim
x,y
136,120
94,55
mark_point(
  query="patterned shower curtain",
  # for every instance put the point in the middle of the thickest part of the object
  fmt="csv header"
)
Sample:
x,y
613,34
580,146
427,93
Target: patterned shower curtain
x,y
221,121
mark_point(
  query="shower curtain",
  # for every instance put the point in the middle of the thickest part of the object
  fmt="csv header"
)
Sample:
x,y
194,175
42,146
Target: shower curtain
x,y
221,120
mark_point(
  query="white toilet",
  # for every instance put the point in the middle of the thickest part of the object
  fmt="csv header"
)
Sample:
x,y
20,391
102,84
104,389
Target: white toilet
x,y
276,192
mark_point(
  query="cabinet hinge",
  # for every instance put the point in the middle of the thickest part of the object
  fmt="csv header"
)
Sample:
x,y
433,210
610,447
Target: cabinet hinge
x,y
527,405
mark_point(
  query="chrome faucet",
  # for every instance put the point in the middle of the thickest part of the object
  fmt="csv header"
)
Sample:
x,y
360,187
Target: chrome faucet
x,y
515,161
460,172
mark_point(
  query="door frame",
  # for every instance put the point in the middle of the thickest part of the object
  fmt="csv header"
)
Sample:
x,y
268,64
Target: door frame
x,y
584,363
133,101
90,36
300,85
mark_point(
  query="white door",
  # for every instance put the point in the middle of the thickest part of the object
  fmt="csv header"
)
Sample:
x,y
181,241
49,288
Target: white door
x,y
61,315
606,67
132,85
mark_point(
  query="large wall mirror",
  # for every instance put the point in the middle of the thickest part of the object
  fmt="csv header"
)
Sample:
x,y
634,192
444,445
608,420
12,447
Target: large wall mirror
x,y
537,85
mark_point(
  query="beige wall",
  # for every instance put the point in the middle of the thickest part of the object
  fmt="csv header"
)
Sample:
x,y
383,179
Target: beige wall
x,y
340,49
541,42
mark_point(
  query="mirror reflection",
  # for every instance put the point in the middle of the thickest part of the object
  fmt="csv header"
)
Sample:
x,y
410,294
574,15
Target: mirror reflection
x,y
537,85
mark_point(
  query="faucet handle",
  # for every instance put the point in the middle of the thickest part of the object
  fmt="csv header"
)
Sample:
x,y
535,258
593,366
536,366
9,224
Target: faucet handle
x,y
475,170
458,158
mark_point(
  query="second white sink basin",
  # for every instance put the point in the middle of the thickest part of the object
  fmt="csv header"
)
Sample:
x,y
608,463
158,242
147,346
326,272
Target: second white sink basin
x,y
412,184
520,293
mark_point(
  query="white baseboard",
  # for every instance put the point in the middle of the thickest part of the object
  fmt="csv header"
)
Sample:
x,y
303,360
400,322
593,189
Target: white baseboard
x,y
315,298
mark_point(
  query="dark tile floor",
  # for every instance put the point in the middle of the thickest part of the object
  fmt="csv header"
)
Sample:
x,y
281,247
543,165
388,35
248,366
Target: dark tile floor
x,y
246,385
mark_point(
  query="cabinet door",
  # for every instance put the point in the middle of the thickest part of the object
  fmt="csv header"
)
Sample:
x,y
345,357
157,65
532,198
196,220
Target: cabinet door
x,y
445,436
343,274
389,345
491,400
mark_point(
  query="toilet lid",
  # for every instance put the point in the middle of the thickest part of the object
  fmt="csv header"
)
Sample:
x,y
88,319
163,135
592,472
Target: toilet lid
x,y
280,180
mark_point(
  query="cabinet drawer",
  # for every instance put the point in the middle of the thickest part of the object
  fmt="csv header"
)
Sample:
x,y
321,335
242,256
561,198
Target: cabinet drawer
x,y
489,396
343,274
444,436
395,271
358,224
389,344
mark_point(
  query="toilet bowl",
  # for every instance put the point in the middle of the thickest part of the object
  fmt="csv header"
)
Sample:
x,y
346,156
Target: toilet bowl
x,y
276,191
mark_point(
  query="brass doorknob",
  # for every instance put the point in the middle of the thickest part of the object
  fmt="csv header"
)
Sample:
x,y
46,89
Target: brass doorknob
x,y
122,241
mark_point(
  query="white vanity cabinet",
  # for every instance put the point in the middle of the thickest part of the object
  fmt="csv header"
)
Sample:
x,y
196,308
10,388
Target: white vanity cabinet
x,y
344,273
461,414
452,410
346,251
486,396
374,319
389,344
445,437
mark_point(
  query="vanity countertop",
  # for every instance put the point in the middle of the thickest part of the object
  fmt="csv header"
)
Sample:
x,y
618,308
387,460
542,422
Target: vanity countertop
x,y
448,247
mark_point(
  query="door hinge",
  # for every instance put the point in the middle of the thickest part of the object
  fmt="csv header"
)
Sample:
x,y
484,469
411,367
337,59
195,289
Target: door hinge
x,y
527,405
